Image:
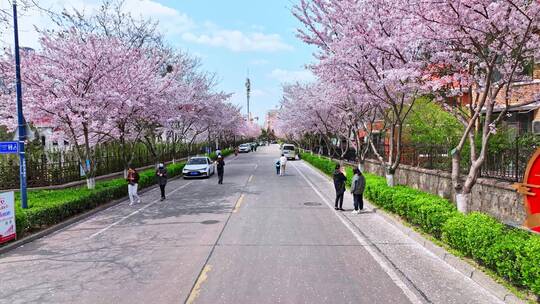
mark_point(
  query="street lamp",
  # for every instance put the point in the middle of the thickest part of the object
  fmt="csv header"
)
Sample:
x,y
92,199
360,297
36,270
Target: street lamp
x,y
20,116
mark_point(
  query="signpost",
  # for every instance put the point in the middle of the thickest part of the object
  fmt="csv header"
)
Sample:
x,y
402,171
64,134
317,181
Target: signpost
x,y
8,230
9,147
20,116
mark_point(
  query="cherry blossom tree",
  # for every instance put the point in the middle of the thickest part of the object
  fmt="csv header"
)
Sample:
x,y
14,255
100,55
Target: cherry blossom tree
x,y
475,54
367,44
86,86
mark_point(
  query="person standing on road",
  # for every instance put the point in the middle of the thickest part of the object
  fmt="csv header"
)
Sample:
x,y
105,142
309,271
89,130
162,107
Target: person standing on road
x,y
339,185
358,185
161,174
133,184
278,165
282,164
220,163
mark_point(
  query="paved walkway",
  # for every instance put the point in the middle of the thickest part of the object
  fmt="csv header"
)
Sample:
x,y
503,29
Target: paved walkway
x,y
258,238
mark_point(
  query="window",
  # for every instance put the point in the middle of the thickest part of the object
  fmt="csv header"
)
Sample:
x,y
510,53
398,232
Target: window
x,y
197,161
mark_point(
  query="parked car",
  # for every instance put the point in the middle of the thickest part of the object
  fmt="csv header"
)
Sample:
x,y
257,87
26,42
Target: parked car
x,y
244,148
199,166
289,151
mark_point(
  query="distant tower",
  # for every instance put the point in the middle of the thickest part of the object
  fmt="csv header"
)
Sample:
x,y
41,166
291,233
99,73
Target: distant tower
x,y
248,90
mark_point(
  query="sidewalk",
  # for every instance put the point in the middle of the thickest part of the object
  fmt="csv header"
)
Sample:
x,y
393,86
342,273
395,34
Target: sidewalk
x,y
436,275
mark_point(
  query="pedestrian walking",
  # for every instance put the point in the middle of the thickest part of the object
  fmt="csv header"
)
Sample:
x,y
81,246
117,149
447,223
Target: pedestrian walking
x,y
220,163
282,164
339,185
218,151
161,174
133,184
278,166
358,185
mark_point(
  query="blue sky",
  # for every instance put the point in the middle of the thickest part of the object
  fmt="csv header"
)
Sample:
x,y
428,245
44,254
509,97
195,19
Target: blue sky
x,y
270,49
229,36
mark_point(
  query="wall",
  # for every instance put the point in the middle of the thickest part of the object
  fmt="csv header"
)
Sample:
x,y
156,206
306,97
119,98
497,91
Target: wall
x,y
489,196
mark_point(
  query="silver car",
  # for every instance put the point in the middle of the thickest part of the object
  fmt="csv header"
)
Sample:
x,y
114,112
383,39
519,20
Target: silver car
x,y
199,166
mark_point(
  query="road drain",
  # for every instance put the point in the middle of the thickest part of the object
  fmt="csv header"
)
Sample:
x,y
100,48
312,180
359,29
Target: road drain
x,y
312,204
209,222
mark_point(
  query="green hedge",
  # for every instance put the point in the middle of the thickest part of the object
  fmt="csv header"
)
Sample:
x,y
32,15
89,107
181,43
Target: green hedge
x,y
224,152
513,254
49,207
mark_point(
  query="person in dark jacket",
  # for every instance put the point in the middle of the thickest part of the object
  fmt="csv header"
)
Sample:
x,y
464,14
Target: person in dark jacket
x,y
220,168
358,184
133,184
161,174
339,185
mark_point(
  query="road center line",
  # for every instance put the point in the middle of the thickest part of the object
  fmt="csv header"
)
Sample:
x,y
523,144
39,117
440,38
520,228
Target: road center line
x,y
238,203
250,178
362,240
196,291
136,211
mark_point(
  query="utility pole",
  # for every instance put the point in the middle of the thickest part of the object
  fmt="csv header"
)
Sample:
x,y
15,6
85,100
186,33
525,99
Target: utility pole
x,y
20,116
248,90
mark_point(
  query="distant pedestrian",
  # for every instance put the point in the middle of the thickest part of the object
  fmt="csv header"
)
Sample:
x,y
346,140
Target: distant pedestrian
x,y
278,165
339,185
358,185
218,151
282,164
133,184
220,164
161,174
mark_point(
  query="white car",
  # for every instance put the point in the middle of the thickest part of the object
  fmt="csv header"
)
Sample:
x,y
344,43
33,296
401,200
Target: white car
x,y
289,151
244,148
199,166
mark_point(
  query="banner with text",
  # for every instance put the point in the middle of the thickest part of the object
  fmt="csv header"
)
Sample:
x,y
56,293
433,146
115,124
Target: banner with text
x,y
8,230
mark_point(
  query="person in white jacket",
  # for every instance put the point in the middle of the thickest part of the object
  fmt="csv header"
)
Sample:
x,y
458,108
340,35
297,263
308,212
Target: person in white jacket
x,y
283,164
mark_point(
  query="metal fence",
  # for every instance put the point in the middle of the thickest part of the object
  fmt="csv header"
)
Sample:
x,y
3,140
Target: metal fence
x,y
48,169
506,164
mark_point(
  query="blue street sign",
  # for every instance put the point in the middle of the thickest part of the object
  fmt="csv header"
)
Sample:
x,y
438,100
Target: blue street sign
x,y
9,147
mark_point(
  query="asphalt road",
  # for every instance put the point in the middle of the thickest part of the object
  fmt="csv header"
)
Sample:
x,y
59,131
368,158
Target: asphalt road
x,y
258,238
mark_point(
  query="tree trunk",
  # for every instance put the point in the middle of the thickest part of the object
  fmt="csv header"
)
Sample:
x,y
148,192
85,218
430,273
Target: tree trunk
x,y
461,198
91,183
362,166
462,201
390,180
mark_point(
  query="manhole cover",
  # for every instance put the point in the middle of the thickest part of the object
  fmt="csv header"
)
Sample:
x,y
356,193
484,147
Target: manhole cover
x,y
311,204
209,222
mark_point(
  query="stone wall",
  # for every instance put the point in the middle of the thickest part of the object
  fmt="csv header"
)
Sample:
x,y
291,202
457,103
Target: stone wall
x,y
489,196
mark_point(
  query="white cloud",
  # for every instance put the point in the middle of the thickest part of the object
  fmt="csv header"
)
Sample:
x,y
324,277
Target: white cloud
x,y
288,76
259,62
238,41
172,23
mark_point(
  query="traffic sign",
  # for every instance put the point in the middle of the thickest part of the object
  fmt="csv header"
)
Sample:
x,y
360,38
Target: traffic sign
x,y
9,147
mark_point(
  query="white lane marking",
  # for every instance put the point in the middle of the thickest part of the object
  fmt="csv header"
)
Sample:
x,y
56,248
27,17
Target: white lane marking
x,y
256,166
362,240
135,212
424,249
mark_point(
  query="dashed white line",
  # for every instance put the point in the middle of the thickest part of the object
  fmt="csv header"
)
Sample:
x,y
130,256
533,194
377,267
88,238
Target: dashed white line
x,y
135,212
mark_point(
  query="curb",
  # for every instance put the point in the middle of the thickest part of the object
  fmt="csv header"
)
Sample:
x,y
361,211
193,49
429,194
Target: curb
x,y
475,274
71,221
